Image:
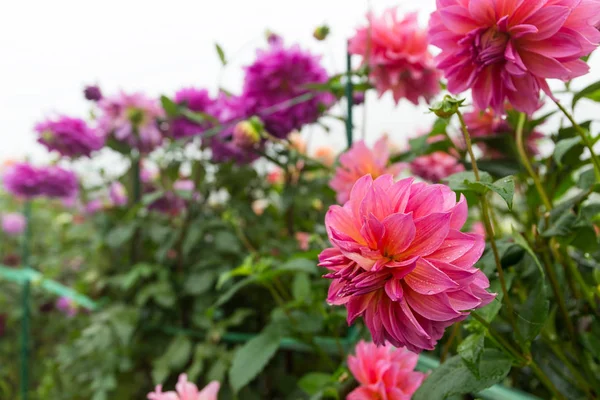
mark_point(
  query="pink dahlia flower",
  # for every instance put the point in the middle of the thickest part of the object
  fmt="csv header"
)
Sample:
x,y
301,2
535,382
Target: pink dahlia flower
x,y
22,180
131,119
186,391
361,160
435,166
279,75
400,261
506,49
70,137
13,223
25,180
396,52
57,182
384,372
195,100
488,124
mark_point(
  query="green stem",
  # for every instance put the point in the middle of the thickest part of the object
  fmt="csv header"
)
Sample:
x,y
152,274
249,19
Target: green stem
x,y
558,295
349,99
557,350
485,211
25,305
527,164
584,137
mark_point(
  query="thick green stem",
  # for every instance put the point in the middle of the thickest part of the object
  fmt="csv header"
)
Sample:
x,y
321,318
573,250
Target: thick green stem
x,y
527,164
584,137
487,221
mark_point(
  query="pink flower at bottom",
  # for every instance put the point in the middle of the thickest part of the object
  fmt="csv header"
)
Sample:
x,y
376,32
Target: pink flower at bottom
x,y
384,372
400,261
13,223
435,166
361,160
186,391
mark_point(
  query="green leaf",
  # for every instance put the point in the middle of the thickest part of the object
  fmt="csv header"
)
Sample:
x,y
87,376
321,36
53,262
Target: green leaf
x,y
174,358
533,314
490,311
471,349
561,226
463,181
454,378
171,108
563,146
221,54
120,235
301,288
250,359
200,283
314,382
300,265
520,240
591,92
225,297
505,187
587,179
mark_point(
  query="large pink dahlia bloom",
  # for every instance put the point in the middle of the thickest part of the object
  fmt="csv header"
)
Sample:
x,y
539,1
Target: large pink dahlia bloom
x,y
70,137
361,160
396,52
384,372
506,49
400,261
186,390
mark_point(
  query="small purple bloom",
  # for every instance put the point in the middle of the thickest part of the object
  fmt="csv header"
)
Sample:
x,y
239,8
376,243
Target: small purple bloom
x,y
93,206
66,306
14,223
196,100
92,93
277,78
131,119
358,98
70,137
184,185
23,180
117,194
58,182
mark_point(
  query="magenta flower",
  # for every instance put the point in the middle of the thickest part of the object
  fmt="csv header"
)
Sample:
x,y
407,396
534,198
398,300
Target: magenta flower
x,y
13,223
70,137
22,180
93,206
435,166
505,50
92,93
131,119
279,75
57,182
400,261
117,194
361,160
186,391
396,52
384,372
196,100
66,306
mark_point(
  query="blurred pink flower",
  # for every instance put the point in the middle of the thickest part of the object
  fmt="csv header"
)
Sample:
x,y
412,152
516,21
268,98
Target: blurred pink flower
x,y
400,261
93,206
384,372
303,239
186,391
361,160
66,306
435,166
184,185
275,177
325,155
13,223
117,194
507,49
478,228
395,50
70,137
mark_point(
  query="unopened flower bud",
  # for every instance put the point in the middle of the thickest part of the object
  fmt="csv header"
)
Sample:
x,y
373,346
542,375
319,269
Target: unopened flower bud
x,y
447,107
321,32
245,135
92,93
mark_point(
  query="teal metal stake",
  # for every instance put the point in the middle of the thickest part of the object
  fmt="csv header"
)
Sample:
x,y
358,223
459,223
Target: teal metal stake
x,y
349,98
25,305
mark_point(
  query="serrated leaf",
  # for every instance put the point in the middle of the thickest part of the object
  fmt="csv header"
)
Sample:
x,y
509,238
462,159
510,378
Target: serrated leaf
x,y
563,146
221,54
462,181
533,314
454,378
250,359
591,92
470,350
505,187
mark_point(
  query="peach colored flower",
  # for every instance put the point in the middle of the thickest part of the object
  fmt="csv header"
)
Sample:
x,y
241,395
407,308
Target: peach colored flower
x,y
384,372
325,155
396,51
507,49
400,261
361,160
303,239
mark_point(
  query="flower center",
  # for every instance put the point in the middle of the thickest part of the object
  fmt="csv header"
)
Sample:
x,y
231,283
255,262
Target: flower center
x,y
488,46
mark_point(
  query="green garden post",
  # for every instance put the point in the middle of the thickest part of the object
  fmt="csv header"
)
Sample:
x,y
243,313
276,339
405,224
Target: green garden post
x,y
25,305
349,98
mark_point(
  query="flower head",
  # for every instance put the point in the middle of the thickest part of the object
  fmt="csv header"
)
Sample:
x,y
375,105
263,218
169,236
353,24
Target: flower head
x,y
400,261
93,206
196,100
66,306
92,93
435,166
117,194
245,135
22,180
13,223
279,77
57,182
384,372
131,119
25,180
70,137
506,50
186,390
361,160
395,50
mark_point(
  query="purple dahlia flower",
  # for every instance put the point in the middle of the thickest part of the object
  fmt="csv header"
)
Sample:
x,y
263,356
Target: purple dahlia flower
x,y
71,137
25,180
58,182
22,180
281,74
92,93
131,119
196,100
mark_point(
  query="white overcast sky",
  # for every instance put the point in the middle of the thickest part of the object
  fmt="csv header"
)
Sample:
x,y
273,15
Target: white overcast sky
x,y
50,49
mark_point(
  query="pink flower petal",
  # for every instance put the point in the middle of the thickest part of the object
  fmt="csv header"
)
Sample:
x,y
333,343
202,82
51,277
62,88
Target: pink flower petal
x,y
399,233
430,234
427,279
436,307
